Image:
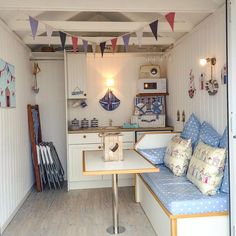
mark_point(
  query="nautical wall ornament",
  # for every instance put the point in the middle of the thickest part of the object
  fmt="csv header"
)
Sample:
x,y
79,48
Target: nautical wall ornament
x,y
212,87
109,102
192,89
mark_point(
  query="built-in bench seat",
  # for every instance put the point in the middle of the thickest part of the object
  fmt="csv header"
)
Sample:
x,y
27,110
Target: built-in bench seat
x,y
180,196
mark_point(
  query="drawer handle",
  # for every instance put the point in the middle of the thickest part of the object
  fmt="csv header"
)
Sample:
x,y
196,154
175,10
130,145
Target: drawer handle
x,y
84,136
99,147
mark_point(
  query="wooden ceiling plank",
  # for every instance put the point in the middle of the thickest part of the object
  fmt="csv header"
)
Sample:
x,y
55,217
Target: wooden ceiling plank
x,y
43,40
199,6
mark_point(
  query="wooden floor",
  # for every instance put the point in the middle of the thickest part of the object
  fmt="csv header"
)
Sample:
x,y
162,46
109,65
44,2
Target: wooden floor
x,y
78,213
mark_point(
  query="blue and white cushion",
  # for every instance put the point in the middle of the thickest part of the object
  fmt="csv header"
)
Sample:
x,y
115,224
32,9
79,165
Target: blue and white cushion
x,y
191,129
224,144
155,155
209,135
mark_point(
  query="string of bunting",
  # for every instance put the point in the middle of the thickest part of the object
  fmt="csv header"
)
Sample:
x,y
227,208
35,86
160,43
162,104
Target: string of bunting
x,y
170,18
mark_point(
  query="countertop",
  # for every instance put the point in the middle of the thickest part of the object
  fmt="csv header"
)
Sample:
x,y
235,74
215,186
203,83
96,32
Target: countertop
x,y
118,129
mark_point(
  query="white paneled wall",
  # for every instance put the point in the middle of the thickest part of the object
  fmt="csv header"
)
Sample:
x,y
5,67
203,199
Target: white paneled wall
x,y
51,101
16,176
207,40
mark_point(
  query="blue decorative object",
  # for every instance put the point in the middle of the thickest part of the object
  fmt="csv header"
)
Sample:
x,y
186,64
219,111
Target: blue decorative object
x,y
109,102
224,144
192,129
155,155
209,135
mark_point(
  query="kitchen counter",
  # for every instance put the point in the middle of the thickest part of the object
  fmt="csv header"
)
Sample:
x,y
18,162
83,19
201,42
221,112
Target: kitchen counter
x,y
118,129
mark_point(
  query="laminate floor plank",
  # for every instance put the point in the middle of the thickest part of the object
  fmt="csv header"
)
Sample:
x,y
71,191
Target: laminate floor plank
x,y
78,213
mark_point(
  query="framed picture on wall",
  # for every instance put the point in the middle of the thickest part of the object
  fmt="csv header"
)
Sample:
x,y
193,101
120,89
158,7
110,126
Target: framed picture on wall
x,y
7,85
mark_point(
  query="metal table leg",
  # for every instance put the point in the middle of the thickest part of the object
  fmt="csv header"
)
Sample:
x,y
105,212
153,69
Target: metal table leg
x,y
115,229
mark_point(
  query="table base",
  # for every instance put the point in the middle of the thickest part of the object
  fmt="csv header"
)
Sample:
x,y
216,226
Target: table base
x,y
120,230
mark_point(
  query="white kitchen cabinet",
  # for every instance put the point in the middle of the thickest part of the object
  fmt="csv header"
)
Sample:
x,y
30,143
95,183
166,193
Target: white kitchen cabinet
x,y
77,143
76,68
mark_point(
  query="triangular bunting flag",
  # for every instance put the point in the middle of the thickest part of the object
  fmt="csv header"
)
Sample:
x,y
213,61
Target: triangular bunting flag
x,y
94,45
126,41
74,40
85,46
139,34
154,28
113,43
33,25
49,31
170,17
63,39
102,47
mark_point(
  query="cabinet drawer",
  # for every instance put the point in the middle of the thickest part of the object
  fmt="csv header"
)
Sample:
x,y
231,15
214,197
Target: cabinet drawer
x,y
128,136
84,138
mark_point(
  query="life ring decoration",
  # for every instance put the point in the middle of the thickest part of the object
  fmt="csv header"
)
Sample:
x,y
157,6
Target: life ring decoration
x,y
212,87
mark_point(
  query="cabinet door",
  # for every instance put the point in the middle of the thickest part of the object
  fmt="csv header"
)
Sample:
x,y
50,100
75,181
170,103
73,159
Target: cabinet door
x,y
75,162
76,76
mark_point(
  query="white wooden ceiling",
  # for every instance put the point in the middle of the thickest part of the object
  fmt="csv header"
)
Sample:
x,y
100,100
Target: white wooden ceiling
x,y
104,19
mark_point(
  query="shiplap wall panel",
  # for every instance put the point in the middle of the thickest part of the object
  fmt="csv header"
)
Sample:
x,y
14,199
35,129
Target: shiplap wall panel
x,y
16,177
207,40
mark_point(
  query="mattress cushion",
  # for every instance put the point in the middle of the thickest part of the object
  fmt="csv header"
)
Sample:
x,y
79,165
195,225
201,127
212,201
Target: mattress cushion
x,y
180,196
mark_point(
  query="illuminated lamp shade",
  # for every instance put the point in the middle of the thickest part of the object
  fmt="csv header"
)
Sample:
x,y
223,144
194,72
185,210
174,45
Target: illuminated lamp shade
x,y
203,62
110,83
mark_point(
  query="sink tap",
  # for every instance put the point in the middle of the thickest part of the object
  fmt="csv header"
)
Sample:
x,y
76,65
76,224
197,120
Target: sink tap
x,y
110,122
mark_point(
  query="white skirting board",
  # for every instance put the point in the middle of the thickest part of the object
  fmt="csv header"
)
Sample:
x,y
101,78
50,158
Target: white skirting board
x,y
4,226
181,226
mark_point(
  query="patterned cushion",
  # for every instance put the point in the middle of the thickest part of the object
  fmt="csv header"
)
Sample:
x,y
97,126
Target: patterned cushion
x,y
224,144
191,129
206,168
209,135
155,155
178,154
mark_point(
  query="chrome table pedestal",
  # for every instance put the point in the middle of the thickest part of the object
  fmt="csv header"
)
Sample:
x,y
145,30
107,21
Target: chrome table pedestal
x,y
115,228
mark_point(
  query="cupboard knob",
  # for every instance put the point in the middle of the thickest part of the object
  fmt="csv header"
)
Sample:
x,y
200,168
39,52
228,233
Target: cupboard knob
x,y
84,136
99,147
85,94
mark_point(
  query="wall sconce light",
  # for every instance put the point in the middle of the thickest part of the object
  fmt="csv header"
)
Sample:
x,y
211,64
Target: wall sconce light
x,y
110,83
212,62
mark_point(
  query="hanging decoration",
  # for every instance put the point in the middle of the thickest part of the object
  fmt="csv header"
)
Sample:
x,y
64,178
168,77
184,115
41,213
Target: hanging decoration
x,y
212,87
170,17
109,102
102,47
154,28
94,45
36,70
7,85
192,89
63,39
85,46
74,43
113,43
202,81
34,26
224,76
126,41
139,34
49,31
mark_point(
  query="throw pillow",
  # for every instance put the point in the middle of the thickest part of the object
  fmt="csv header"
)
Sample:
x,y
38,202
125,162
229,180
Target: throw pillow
x,y
191,129
178,154
209,135
154,155
224,144
206,168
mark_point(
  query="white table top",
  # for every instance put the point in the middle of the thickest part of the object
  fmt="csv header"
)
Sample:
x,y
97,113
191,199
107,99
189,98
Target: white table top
x,y
94,164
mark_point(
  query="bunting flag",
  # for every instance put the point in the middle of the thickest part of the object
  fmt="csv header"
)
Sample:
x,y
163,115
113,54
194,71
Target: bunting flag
x,y
94,45
170,17
113,43
63,39
74,43
139,34
85,45
102,47
154,28
33,25
126,41
49,31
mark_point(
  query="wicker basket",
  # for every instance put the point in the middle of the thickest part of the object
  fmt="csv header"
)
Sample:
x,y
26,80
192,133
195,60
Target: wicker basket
x,y
113,149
